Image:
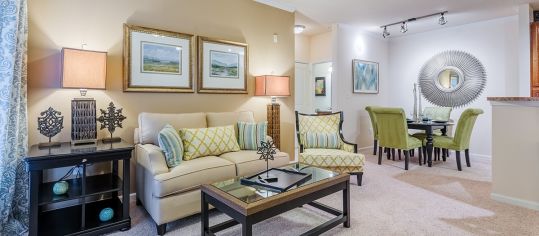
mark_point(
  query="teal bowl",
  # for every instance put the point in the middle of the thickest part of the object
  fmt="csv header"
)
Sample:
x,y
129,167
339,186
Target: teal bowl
x,y
106,214
60,187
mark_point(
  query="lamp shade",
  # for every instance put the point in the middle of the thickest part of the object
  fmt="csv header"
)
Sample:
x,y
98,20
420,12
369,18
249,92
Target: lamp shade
x,y
272,85
83,69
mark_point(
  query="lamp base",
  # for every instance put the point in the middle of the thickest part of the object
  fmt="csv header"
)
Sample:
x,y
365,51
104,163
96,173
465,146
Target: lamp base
x,y
274,123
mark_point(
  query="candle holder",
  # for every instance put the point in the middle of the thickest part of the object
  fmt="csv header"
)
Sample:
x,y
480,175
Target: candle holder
x,y
110,119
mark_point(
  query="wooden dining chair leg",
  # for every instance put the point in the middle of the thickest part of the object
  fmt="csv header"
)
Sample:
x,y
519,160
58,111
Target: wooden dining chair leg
x,y
399,154
444,154
388,151
419,153
393,153
412,152
375,147
467,155
406,159
379,155
459,167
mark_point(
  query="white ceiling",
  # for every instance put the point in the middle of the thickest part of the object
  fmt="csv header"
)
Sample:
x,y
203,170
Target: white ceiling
x,y
371,14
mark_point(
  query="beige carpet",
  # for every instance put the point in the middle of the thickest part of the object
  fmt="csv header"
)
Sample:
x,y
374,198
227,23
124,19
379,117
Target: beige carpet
x,y
422,201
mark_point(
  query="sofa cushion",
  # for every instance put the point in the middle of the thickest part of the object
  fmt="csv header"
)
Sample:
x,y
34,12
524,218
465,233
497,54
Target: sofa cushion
x,y
250,135
208,141
248,162
191,174
171,143
151,123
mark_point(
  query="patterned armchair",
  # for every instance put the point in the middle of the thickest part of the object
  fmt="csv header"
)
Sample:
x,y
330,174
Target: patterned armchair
x,y
343,159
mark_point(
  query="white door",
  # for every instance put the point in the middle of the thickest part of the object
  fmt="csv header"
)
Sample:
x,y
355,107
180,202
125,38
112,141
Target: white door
x,y
304,89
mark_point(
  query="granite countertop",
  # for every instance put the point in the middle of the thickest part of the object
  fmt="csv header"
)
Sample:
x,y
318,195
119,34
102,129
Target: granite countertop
x,y
513,99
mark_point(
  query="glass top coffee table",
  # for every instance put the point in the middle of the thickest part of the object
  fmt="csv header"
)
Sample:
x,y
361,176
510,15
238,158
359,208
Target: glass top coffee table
x,y
248,205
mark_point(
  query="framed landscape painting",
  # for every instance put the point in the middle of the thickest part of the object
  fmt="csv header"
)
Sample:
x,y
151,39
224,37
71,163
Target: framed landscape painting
x,y
157,60
365,76
222,66
320,86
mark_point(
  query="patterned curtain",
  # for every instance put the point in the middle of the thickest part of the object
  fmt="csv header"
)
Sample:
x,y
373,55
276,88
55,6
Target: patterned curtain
x,y
13,121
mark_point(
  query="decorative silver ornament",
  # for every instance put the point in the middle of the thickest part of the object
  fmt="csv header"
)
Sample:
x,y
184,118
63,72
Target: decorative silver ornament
x,y
452,79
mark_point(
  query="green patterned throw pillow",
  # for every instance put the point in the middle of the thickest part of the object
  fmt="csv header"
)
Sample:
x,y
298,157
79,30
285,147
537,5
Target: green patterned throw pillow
x,y
169,140
208,141
251,134
321,140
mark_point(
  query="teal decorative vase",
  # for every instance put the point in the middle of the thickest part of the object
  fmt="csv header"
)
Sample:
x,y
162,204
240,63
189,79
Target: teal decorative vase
x,y
106,214
60,187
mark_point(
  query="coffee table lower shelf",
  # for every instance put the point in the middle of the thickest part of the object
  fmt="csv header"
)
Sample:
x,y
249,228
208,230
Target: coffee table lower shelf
x,y
249,214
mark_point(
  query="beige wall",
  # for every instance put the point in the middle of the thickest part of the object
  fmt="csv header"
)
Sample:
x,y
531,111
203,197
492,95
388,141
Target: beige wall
x,y
321,47
69,23
515,162
302,48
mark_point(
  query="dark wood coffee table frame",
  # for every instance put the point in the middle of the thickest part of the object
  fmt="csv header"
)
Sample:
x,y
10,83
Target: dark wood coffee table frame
x,y
248,214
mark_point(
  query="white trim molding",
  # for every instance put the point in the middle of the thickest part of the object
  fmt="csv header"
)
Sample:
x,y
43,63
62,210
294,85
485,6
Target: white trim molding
x,y
515,201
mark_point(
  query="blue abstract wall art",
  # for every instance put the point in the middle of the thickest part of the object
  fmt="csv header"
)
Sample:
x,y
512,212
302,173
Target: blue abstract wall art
x,y
365,76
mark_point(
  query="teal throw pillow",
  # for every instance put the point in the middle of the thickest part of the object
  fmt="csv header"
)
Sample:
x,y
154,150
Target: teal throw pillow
x,y
321,140
171,144
251,134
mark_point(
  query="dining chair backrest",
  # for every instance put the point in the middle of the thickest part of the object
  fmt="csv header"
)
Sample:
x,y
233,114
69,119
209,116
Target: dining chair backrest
x,y
373,122
392,127
318,123
438,113
465,126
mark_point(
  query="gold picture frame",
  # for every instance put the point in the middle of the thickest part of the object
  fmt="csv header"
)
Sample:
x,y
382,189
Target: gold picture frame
x,y
222,66
169,73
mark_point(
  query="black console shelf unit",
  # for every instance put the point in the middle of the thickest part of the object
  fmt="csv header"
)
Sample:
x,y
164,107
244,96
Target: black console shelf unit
x,y
77,211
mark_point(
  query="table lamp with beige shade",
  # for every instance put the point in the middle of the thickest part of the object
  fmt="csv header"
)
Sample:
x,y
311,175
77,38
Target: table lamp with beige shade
x,y
274,86
83,69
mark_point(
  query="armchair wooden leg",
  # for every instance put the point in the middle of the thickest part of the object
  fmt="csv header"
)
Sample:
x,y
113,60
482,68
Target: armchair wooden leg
x,y
138,202
375,147
467,154
359,177
406,159
379,155
161,229
459,167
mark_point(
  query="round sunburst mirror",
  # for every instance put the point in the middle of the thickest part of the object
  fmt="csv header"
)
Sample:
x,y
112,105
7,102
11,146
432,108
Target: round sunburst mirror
x,y
452,79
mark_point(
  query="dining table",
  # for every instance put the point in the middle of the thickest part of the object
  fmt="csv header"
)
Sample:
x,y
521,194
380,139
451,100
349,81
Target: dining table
x,y
429,127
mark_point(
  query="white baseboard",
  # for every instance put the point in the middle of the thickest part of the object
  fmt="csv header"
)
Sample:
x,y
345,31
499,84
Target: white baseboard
x,y
363,148
515,201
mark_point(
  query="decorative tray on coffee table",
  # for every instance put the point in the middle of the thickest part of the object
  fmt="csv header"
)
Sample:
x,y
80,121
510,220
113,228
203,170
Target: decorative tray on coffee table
x,y
277,179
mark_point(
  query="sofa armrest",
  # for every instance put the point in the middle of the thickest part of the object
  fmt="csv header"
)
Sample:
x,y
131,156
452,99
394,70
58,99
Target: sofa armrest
x,y
152,158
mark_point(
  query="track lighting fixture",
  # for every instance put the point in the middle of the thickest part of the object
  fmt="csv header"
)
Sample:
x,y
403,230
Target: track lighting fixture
x,y
404,27
404,24
386,32
442,20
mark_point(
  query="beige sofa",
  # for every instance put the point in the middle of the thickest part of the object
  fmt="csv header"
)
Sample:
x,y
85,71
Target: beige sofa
x,y
172,194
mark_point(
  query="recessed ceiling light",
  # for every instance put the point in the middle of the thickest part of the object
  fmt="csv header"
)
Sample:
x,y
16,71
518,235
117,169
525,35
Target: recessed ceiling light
x,y
298,29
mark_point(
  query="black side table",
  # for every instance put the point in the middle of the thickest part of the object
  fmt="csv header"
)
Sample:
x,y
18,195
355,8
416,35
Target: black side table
x,y
78,213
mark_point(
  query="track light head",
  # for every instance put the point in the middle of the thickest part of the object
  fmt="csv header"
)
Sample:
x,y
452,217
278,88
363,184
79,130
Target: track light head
x,y
404,27
386,33
442,20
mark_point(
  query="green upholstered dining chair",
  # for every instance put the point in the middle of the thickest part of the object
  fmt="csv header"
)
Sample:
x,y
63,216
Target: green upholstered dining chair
x,y
461,140
438,113
374,128
393,133
342,158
